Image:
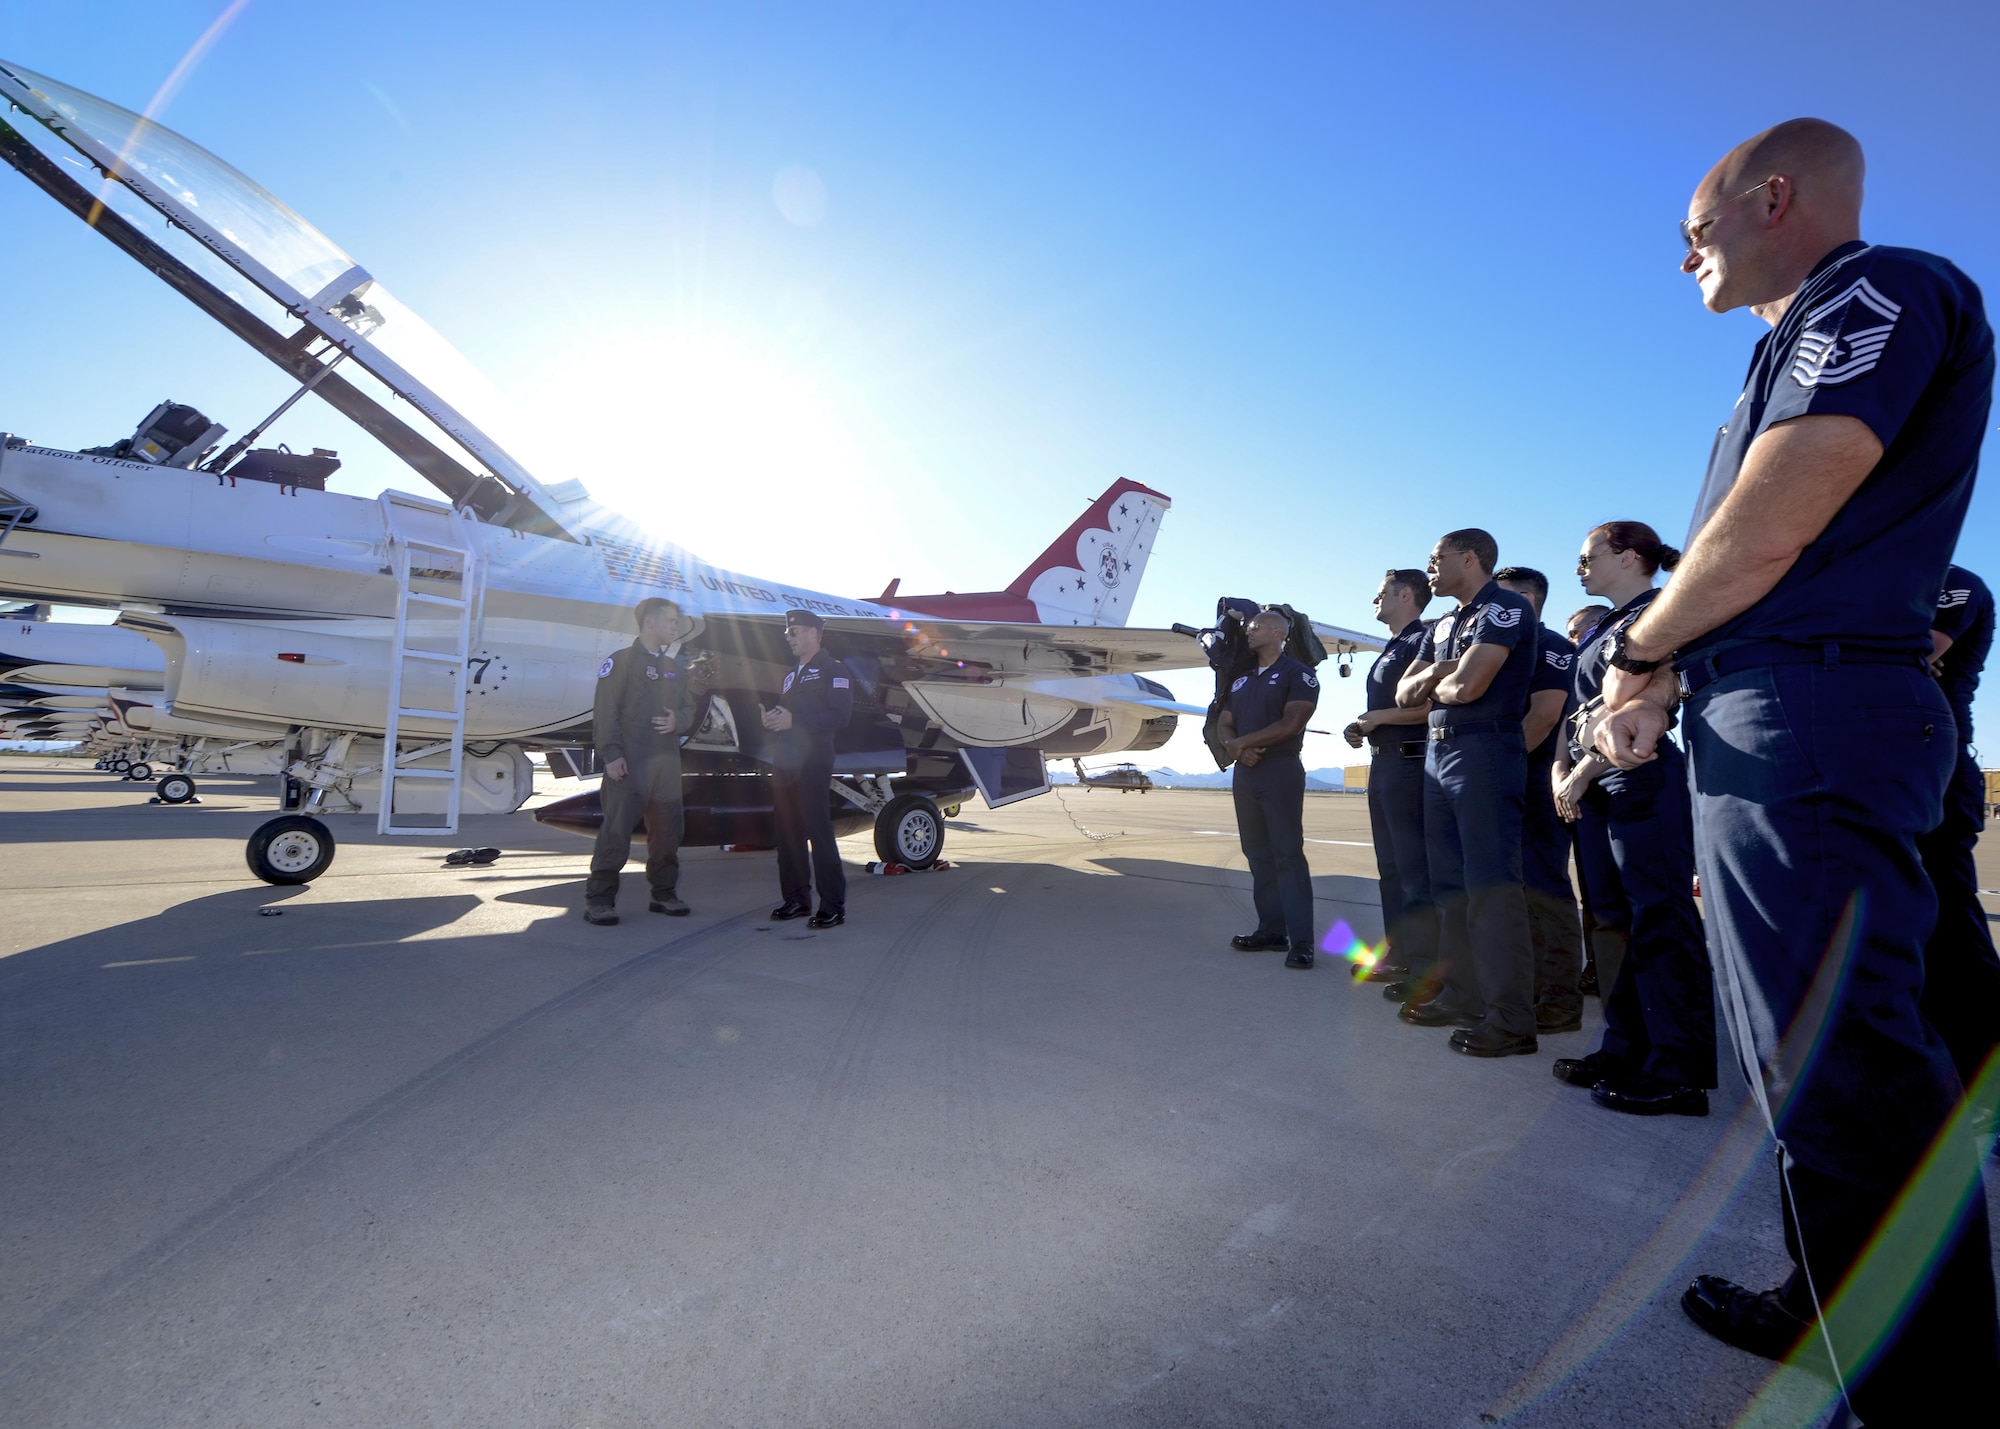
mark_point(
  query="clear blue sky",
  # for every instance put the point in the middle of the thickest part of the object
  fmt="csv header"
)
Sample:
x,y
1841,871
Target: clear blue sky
x,y
846,293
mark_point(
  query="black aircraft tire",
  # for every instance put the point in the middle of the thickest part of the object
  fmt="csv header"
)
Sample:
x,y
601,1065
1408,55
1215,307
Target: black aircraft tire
x,y
120,765
290,849
141,772
175,789
909,831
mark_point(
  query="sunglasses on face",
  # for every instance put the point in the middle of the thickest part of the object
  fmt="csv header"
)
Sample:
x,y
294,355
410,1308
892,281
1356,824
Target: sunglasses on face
x,y
1693,230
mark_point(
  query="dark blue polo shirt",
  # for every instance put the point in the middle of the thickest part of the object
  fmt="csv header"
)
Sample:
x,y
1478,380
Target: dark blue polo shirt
x,y
1965,613
1493,617
1592,657
1257,700
1899,339
1392,664
1555,669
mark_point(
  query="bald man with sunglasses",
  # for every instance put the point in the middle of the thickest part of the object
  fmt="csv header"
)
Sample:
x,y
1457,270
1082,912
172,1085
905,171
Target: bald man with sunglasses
x,y
1796,634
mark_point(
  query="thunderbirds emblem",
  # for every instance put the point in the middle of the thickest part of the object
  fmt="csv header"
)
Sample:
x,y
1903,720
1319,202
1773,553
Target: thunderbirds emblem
x,y
1107,566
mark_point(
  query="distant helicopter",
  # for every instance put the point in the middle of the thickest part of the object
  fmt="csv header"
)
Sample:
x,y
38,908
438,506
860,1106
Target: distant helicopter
x,y
1122,777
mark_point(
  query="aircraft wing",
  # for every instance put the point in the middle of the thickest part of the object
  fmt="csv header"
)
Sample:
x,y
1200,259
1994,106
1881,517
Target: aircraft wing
x,y
920,647
1341,641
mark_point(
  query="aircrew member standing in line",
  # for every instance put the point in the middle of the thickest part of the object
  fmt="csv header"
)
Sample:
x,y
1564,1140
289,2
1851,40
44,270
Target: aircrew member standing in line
x,y
1820,748
642,710
818,699
1584,621
1474,667
1555,928
1264,731
1635,850
1396,791
1961,972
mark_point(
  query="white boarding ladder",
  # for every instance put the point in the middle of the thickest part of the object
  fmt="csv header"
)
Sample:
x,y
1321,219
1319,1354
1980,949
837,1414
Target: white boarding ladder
x,y
447,560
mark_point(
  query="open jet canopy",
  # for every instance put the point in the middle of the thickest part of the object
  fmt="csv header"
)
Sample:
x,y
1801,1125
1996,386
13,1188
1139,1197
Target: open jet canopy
x,y
241,255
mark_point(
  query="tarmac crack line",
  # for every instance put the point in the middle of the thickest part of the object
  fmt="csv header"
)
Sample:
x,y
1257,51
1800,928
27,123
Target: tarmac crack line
x,y
20,1349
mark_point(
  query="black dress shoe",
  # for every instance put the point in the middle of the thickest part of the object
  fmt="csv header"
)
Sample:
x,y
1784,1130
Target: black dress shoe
x,y
790,910
1400,991
1387,972
1301,956
1587,984
1435,1014
825,919
1750,1321
1584,1072
1646,1097
1550,1019
1259,943
1484,1041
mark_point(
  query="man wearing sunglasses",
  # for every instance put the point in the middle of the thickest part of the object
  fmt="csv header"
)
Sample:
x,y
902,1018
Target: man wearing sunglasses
x,y
1797,631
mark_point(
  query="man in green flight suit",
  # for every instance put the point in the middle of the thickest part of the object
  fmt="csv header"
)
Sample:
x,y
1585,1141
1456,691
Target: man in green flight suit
x,y
644,707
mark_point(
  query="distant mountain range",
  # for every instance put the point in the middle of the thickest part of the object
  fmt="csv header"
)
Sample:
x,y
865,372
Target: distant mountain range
x,y
1323,780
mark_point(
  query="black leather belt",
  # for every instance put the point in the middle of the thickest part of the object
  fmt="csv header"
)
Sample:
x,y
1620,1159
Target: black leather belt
x,y
1701,670
1475,726
1406,748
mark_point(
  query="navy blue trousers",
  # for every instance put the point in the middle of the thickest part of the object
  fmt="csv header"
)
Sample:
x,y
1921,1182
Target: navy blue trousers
x,y
1635,846
1961,972
1473,791
1811,788
1271,823
801,817
1396,821
1555,931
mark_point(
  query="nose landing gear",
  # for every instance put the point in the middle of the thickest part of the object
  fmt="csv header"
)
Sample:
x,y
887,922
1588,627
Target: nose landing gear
x,y
290,849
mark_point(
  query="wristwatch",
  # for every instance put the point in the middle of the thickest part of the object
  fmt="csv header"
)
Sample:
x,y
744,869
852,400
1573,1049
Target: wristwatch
x,y
1615,655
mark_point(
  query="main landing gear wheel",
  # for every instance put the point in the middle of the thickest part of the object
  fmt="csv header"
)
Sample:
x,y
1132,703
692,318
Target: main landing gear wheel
x,y
141,773
909,831
290,849
121,765
175,789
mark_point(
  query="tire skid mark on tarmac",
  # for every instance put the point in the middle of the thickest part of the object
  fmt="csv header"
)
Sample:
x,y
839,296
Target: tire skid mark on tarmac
x,y
826,1135
841,1079
21,1348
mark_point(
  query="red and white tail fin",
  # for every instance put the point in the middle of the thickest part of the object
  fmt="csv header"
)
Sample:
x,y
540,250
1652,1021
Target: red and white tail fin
x,y
1088,575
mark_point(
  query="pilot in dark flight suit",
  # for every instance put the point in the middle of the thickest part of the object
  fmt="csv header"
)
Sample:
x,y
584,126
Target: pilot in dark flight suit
x,y
643,711
818,699
1961,972
1820,749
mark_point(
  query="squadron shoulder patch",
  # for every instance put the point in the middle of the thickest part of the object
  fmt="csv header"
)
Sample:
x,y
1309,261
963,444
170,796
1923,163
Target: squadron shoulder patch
x,y
605,668
1312,680
1241,681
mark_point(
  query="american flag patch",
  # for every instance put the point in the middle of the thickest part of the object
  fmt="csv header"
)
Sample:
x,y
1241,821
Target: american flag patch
x,y
840,682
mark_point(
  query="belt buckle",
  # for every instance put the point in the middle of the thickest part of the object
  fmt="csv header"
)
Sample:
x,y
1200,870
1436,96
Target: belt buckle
x,y
1436,731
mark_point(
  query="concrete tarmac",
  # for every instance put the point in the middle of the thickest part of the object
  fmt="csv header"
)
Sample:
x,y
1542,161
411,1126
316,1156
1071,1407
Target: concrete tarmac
x,y
1024,1143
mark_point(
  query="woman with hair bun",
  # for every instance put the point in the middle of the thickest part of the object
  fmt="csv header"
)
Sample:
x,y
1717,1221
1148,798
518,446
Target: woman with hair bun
x,y
1635,854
